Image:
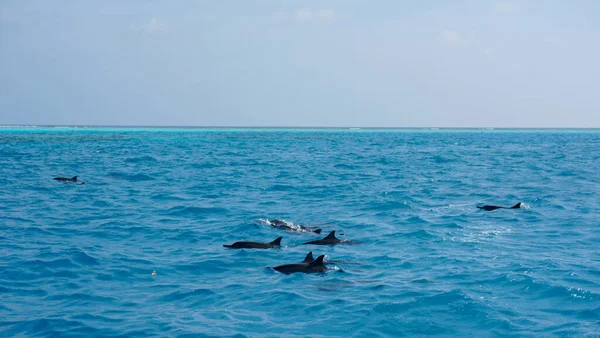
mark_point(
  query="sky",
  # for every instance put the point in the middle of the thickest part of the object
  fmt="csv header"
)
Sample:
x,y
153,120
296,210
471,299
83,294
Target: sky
x,y
326,63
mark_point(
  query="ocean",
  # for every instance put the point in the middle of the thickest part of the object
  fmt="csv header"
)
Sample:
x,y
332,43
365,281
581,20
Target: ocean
x,y
137,251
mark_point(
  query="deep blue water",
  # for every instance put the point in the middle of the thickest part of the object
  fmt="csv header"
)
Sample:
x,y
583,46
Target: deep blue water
x,y
77,260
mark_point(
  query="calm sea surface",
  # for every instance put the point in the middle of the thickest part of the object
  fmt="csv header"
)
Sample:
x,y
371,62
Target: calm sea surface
x,y
77,260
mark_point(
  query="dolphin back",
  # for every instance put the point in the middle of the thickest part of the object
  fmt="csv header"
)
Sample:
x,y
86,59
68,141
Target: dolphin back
x,y
309,258
331,235
276,242
317,262
72,179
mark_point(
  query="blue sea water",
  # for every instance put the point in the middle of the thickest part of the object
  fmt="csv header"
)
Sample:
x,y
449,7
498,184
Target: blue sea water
x,y
77,260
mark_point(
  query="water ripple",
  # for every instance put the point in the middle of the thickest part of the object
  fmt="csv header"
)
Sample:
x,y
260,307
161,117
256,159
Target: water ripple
x,y
137,251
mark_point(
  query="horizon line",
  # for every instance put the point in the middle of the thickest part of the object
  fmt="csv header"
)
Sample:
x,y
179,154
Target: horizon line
x,y
282,127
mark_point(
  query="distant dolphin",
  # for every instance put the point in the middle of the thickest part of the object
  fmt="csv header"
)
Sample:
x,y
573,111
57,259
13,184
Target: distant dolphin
x,y
290,226
329,240
68,180
494,207
65,179
311,267
255,245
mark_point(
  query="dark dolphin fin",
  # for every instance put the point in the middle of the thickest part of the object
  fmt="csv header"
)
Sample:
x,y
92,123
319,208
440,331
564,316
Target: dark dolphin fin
x,y
318,261
309,258
331,235
318,231
277,242
516,206
74,178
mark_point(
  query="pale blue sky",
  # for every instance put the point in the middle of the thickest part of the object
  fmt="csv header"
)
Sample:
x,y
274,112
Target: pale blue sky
x,y
301,63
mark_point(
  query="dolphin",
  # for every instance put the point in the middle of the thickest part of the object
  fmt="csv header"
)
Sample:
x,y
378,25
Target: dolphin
x,y
309,258
330,239
65,179
311,267
255,245
494,207
277,223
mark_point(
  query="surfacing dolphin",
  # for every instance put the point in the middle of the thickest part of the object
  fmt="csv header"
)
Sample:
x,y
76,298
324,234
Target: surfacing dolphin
x,y
255,245
494,207
290,226
328,240
309,258
68,180
315,266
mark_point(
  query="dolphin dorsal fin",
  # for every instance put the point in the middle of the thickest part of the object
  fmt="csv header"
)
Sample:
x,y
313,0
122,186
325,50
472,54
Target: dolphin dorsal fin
x,y
516,206
318,231
331,235
277,241
309,258
318,261
74,178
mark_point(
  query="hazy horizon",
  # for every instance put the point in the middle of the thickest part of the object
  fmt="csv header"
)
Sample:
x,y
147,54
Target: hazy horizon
x,y
300,64
294,127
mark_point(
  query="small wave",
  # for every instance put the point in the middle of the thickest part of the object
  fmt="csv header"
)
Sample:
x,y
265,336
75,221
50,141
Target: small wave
x,y
53,327
80,298
422,281
51,264
281,187
204,165
101,204
423,234
195,211
115,274
141,159
448,226
386,205
181,295
485,235
589,314
166,197
567,173
201,268
18,220
540,289
445,298
11,154
188,235
83,258
131,177
344,166
97,318
416,220
441,159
